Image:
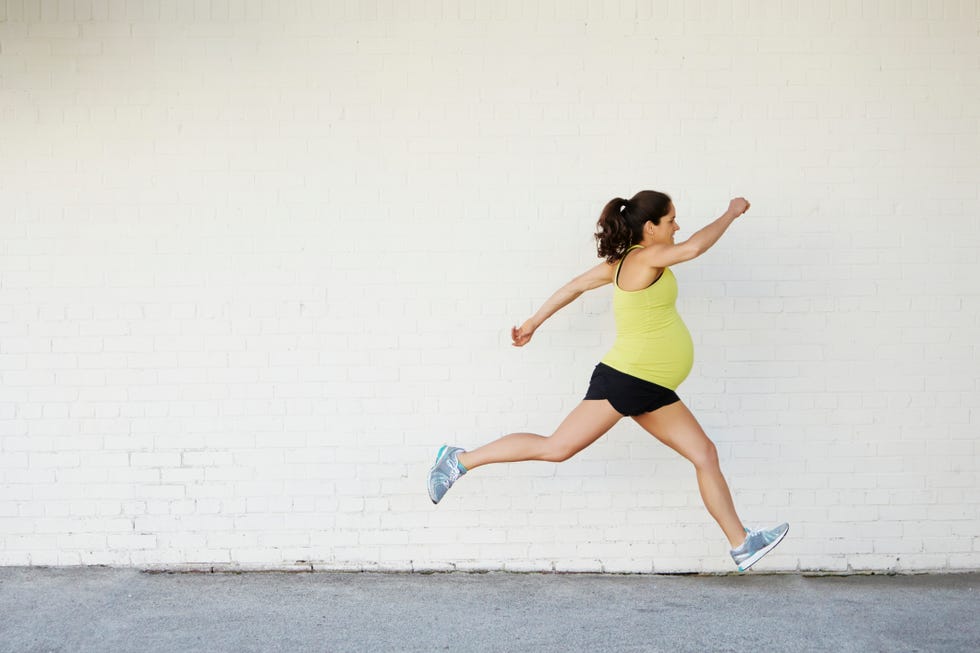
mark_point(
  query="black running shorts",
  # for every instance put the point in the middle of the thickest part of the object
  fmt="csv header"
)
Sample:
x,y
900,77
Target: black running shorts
x,y
628,394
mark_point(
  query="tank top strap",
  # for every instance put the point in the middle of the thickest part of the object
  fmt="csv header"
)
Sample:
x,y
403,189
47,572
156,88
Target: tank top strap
x,y
620,264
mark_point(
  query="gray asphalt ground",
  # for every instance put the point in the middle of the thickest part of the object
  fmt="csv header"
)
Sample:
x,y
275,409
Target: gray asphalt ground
x,y
98,609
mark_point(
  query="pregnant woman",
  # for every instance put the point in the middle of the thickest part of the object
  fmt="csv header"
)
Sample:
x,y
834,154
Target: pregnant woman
x,y
651,356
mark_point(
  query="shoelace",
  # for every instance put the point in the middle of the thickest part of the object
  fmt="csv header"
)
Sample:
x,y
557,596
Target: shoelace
x,y
453,470
752,537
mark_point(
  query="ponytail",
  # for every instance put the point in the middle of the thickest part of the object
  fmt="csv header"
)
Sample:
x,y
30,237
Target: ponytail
x,y
621,223
613,234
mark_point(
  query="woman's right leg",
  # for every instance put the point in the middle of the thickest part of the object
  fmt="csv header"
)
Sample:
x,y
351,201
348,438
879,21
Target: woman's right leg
x,y
583,426
676,426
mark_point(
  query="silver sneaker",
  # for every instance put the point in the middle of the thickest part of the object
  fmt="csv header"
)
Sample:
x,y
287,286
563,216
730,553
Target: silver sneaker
x,y
757,544
444,472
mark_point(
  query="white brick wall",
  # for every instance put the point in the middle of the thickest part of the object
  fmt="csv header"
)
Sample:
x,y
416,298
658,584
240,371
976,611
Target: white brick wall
x,y
259,259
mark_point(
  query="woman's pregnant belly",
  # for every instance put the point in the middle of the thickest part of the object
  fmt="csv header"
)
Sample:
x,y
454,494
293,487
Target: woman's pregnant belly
x,y
664,357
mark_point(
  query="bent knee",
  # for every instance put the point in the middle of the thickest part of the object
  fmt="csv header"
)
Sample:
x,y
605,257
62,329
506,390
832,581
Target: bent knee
x,y
705,456
556,453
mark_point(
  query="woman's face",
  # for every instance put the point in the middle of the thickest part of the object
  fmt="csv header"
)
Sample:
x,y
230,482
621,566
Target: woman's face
x,y
664,232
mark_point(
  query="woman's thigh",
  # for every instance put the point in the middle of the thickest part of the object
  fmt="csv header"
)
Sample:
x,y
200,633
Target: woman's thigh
x,y
676,426
589,421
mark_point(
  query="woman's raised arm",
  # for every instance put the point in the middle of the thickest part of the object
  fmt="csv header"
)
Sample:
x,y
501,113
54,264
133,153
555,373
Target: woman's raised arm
x,y
664,255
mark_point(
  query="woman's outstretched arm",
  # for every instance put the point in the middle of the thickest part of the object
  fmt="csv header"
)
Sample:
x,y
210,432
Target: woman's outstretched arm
x,y
598,276
662,256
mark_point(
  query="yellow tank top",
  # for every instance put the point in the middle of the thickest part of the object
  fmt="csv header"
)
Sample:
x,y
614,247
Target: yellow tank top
x,y
652,342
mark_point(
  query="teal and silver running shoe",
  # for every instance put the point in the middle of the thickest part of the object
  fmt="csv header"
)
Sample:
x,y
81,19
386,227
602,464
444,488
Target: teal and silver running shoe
x,y
757,544
444,472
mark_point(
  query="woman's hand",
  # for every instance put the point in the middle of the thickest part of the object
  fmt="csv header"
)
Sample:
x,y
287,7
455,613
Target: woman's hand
x,y
522,335
738,206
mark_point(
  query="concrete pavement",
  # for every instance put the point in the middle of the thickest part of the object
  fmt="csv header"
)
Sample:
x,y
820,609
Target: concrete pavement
x,y
98,609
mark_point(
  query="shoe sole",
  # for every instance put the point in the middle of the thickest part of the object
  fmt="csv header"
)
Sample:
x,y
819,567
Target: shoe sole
x,y
758,555
440,456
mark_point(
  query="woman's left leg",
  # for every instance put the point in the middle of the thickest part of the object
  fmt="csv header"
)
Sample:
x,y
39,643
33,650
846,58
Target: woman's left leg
x,y
675,426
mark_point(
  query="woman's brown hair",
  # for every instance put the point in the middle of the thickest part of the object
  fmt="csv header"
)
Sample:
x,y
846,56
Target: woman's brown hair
x,y
621,223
